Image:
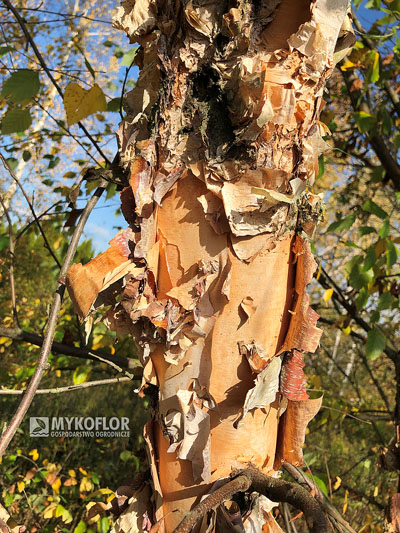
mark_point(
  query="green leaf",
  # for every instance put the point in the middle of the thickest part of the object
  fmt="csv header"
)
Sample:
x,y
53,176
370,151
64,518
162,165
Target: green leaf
x,y
88,65
54,162
321,166
128,57
371,207
125,456
12,162
114,104
108,43
365,121
391,253
366,230
342,224
5,49
385,301
80,375
387,123
26,155
103,525
374,70
359,277
385,228
60,510
370,258
21,85
378,174
362,298
4,242
16,120
318,481
376,342
80,528
374,318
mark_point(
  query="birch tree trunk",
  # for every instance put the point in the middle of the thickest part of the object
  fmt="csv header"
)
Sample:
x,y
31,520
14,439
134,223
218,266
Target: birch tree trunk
x,y
221,140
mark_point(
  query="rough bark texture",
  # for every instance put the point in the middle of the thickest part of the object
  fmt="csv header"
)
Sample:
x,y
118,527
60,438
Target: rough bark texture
x,y
221,140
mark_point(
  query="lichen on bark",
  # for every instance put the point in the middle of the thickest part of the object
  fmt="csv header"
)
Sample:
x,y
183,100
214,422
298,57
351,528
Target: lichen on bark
x,y
221,141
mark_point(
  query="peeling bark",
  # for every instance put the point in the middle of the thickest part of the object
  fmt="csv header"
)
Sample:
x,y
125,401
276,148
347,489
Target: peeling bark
x,y
221,140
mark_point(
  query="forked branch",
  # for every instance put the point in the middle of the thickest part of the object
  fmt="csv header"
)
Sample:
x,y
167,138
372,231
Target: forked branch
x,y
275,489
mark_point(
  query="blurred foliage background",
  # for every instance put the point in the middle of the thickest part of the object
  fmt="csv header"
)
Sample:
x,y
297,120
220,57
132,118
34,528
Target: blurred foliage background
x,y
352,444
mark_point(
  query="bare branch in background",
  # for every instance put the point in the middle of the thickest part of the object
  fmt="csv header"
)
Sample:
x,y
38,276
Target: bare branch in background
x,y
11,268
70,388
121,364
28,201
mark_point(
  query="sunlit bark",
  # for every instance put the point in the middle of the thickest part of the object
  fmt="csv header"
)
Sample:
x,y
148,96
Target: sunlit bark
x,y
222,140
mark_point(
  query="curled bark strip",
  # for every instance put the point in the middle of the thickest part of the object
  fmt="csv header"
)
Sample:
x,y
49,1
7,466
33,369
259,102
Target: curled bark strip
x,y
275,489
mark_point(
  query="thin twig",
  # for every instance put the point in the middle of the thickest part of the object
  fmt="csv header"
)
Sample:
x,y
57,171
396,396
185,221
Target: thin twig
x,y
11,268
43,364
37,221
70,388
375,381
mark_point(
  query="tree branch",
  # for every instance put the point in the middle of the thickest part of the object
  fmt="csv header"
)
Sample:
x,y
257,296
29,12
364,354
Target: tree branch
x,y
377,142
119,363
275,489
309,484
70,388
11,268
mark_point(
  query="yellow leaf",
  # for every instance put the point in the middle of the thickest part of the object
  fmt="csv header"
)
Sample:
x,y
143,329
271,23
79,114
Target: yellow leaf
x,y
347,65
34,454
50,511
319,271
51,467
86,485
58,373
316,382
79,103
327,295
376,491
56,485
71,473
346,503
20,485
82,471
338,482
57,242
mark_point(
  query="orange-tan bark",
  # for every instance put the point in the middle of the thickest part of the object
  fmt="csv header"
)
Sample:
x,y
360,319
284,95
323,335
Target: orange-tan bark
x,y
221,141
